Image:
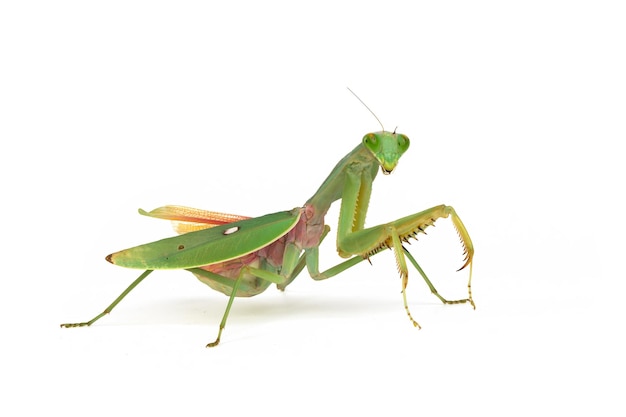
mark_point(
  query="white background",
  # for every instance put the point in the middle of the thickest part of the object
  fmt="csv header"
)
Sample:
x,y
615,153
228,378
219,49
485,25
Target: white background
x,y
516,116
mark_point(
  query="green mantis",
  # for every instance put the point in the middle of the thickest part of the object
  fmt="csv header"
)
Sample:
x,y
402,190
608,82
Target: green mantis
x,y
242,257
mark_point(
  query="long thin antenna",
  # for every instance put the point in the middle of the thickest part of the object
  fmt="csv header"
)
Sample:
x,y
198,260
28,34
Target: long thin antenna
x,y
373,114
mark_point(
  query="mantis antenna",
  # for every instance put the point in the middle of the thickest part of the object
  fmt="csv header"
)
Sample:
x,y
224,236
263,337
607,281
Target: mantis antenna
x,y
370,110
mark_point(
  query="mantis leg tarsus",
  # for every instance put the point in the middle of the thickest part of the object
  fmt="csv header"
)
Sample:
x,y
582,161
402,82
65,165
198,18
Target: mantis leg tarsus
x,y
86,323
112,305
217,341
469,288
398,250
408,312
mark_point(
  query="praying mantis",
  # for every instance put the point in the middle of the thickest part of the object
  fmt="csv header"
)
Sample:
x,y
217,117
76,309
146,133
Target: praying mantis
x,y
241,256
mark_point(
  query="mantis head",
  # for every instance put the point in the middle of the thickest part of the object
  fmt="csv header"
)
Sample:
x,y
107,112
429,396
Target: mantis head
x,y
387,148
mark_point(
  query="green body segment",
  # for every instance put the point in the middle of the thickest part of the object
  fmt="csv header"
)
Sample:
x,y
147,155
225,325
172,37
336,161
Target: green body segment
x,y
209,246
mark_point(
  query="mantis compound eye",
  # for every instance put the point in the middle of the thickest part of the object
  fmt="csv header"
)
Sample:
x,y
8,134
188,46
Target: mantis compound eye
x,y
403,142
371,141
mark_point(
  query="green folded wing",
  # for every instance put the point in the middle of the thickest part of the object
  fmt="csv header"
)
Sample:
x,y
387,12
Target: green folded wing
x,y
209,246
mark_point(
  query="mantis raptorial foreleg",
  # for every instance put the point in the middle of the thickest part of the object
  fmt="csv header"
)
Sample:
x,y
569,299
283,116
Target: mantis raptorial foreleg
x,y
368,242
391,236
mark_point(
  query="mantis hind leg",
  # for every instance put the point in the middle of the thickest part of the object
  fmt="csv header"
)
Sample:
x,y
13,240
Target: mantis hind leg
x,y
112,305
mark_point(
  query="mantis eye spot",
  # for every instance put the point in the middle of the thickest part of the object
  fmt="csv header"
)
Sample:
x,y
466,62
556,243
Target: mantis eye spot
x,y
231,230
181,247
